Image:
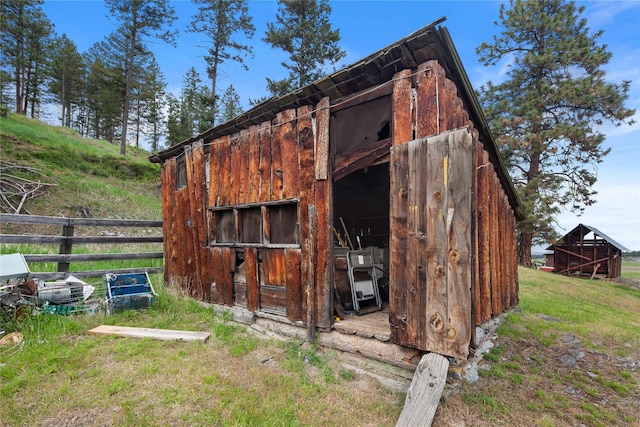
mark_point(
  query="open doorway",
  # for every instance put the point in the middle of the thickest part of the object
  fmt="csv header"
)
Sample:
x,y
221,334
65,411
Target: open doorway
x,y
360,140
361,222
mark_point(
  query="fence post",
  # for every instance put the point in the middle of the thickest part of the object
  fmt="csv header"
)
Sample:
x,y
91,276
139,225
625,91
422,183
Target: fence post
x,y
66,246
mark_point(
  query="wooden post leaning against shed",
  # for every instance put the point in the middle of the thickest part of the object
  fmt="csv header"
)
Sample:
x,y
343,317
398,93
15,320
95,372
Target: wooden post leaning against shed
x,y
306,144
323,201
425,391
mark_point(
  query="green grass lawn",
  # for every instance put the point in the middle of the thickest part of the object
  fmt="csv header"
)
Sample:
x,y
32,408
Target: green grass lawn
x,y
60,375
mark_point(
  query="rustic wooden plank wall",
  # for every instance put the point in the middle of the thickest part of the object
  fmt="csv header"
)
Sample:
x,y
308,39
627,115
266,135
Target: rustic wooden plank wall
x,y
453,231
496,284
270,162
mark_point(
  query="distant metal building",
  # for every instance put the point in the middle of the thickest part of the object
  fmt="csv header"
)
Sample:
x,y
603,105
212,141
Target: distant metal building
x,y
586,251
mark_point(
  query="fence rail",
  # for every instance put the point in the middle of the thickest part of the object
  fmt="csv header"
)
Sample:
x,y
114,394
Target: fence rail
x,y
66,240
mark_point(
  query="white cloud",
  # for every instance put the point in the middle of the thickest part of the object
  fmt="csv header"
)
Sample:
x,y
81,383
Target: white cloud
x,y
602,13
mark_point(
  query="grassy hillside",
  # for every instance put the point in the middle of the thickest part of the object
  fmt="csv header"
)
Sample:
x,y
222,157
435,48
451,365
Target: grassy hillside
x,y
88,177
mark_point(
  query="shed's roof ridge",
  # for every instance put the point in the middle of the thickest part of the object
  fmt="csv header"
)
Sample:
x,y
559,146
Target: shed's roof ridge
x,y
427,43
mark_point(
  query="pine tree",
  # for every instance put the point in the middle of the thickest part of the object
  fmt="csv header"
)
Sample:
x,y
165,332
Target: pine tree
x,y
222,21
303,30
176,122
6,91
140,19
547,114
189,115
66,77
231,106
25,40
106,86
153,102
195,103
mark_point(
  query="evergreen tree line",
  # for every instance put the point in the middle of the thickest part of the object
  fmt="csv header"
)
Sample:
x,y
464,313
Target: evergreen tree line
x,y
116,90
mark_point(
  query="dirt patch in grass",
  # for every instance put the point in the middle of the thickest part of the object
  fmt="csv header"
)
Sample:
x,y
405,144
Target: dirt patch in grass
x,y
568,380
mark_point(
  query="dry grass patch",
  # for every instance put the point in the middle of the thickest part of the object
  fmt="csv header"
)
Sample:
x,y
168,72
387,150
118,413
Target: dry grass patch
x,y
570,357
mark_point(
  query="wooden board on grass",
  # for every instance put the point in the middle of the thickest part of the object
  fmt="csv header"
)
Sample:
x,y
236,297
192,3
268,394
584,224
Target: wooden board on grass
x,y
160,334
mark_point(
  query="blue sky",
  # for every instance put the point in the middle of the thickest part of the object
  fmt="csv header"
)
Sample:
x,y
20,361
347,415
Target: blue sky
x,y
367,26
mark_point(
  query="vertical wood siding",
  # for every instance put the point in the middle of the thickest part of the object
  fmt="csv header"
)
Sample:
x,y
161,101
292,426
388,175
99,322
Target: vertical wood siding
x,y
452,228
270,162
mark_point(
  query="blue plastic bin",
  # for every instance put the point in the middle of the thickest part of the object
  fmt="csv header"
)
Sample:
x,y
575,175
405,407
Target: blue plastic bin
x,y
129,291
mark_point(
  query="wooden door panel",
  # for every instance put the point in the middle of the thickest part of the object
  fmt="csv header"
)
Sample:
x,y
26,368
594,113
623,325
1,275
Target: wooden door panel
x,y
430,272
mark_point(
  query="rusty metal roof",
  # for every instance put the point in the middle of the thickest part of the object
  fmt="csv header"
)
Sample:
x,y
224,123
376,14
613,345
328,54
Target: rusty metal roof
x,y
428,43
582,230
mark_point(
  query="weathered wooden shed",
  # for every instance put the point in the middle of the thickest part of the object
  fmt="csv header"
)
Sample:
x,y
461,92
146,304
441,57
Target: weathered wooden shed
x,y
586,251
392,154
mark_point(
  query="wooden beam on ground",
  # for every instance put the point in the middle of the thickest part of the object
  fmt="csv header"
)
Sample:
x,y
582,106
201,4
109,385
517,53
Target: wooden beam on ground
x,y
160,334
425,391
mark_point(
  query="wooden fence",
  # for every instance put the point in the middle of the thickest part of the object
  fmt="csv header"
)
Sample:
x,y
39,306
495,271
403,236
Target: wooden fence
x,y
66,240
